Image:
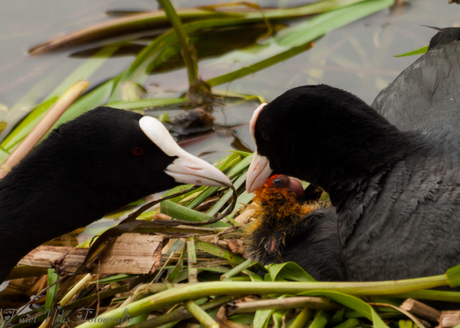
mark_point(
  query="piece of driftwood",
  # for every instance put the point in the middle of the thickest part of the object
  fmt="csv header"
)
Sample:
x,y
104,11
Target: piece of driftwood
x,y
421,310
449,319
131,253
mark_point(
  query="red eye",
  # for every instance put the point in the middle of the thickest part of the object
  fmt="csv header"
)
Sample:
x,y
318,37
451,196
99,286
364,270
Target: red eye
x,y
137,151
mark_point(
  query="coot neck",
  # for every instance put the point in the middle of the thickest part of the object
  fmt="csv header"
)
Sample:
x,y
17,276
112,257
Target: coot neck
x,y
346,162
359,177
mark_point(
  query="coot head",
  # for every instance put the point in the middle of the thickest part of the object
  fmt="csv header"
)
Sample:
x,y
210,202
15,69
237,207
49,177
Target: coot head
x,y
290,136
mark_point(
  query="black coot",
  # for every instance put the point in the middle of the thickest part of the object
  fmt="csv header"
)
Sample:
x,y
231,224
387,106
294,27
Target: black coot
x,y
396,189
85,169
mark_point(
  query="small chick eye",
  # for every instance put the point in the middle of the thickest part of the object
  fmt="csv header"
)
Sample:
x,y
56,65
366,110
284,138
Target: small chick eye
x,y
278,182
137,151
265,136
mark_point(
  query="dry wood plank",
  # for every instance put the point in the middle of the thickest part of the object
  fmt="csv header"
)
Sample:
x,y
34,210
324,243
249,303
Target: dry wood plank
x,y
131,253
134,254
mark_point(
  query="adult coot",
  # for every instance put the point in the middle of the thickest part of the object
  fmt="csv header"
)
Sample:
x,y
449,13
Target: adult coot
x,y
288,230
86,168
395,192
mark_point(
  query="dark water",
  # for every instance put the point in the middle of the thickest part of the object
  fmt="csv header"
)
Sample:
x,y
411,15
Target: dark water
x,y
357,57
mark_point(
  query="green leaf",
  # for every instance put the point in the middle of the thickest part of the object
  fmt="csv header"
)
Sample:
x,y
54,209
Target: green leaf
x,y
237,269
351,302
453,276
228,195
178,268
3,155
406,324
244,319
284,53
147,103
165,118
51,292
432,295
262,318
301,319
85,70
27,124
85,103
349,323
180,189
288,270
294,40
114,278
277,317
321,24
415,52
180,212
219,252
337,317
137,71
255,277
320,320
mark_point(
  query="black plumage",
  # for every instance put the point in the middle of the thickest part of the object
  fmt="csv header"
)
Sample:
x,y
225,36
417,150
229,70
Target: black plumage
x,y
426,95
85,169
396,187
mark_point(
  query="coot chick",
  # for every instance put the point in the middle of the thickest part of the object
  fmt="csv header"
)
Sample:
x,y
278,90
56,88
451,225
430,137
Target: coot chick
x,y
286,230
396,193
86,168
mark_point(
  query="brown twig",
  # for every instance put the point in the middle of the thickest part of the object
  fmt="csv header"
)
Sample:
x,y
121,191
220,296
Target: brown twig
x,y
421,310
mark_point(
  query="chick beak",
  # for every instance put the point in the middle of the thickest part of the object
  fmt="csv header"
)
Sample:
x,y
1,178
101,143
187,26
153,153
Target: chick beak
x,y
258,172
186,168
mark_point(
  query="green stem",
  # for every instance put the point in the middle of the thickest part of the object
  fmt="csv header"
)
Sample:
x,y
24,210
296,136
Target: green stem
x,y
181,313
240,267
180,212
431,295
252,69
196,291
201,315
188,53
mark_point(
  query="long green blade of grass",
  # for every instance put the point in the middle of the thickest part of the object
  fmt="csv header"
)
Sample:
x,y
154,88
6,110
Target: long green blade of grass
x,y
414,52
294,40
187,51
85,103
147,103
83,72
